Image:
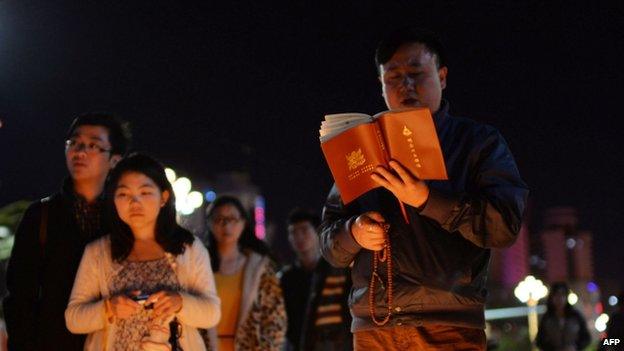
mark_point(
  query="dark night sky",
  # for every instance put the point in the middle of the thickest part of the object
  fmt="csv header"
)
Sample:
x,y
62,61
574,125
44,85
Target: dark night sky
x,y
243,86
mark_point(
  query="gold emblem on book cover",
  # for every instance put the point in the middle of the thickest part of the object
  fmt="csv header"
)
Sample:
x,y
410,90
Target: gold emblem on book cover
x,y
355,159
406,131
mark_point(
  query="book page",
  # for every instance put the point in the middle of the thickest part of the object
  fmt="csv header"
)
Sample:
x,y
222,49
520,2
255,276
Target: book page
x,y
346,116
338,123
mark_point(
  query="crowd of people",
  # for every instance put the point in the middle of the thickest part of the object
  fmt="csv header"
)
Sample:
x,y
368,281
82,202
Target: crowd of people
x,y
103,265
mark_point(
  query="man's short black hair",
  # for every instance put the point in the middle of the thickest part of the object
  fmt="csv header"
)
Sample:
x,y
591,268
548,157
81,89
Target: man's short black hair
x,y
407,35
298,215
118,130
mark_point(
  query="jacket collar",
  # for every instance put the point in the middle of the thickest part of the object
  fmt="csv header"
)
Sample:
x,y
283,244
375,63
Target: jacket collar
x,y
441,117
68,193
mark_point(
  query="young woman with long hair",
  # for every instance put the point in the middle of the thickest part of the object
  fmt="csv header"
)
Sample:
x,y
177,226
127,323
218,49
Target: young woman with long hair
x,y
254,316
148,285
562,327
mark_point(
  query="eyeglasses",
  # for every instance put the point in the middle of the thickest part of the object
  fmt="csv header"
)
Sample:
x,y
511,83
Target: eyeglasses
x,y
90,148
223,221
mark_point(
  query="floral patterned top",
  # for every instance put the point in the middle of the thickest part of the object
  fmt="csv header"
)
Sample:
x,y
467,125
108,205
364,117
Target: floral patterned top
x,y
149,277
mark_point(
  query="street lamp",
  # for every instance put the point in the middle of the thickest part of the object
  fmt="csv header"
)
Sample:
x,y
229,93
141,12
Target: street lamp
x,y
530,291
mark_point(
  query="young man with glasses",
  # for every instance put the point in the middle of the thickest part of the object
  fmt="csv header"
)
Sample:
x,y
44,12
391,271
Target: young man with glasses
x,y
53,233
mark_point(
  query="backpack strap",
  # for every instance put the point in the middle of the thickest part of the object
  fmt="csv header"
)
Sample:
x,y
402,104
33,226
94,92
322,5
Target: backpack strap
x,y
43,226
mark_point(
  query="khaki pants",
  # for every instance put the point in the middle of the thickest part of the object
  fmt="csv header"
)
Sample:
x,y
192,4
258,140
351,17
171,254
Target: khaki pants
x,y
420,338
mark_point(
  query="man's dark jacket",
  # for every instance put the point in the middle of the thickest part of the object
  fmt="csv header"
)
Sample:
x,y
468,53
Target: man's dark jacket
x,y
39,280
332,337
440,259
296,283
303,294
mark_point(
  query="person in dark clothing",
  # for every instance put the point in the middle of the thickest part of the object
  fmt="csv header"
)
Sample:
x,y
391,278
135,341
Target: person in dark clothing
x,y
53,233
562,327
439,247
296,279
315,293
327,322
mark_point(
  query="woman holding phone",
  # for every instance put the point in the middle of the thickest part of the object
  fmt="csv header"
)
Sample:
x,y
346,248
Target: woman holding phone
x,y
149,284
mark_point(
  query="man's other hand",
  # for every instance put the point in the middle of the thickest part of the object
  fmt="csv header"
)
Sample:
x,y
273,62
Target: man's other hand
x,y
368,230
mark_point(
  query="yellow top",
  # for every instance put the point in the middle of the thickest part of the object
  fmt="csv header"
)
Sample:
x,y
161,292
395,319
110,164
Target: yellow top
x,y
229,289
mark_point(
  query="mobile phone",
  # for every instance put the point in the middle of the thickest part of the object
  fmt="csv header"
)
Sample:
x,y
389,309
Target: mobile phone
x,y
140,299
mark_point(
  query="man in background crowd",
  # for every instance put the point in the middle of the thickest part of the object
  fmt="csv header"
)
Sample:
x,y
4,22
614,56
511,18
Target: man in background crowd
x,y
316,293
53,233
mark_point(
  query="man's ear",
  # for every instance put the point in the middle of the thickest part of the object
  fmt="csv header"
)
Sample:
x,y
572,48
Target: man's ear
x,y
114,159
442,72
383,92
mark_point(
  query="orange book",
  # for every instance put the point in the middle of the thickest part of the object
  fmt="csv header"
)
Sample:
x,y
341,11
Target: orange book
x,y
354,144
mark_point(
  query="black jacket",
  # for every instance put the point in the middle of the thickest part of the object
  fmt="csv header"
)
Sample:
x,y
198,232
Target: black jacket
x,y
441,258
333,337
303,293
553,336
39,282
296,284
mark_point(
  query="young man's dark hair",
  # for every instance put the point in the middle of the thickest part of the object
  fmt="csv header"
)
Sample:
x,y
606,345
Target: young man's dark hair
x,y
298,215
407,35
118,130
53,232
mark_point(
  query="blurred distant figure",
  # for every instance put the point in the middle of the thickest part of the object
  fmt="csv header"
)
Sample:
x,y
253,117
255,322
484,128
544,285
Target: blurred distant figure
x,y
562,327
316,293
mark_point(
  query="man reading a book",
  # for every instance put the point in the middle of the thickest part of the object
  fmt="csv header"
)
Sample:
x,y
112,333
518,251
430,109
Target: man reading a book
x,y
438,249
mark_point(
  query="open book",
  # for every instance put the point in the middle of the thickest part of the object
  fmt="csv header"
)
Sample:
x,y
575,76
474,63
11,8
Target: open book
x,y
355,143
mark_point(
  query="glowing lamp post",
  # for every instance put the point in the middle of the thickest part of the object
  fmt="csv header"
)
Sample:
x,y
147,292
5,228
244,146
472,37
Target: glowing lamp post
x,y
530,291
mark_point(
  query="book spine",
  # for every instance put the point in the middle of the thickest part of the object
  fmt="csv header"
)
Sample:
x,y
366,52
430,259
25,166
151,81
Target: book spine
x,y
382,143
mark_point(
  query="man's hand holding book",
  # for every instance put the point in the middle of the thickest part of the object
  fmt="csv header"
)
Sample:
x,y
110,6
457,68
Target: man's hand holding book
x,y
407,188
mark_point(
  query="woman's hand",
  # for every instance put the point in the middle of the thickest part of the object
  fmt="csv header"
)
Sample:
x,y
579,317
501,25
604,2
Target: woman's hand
x,y
166,303
154,346
122,307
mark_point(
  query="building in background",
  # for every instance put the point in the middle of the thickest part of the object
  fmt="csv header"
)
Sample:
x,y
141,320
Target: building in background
x,y
559,251
568,253
566,249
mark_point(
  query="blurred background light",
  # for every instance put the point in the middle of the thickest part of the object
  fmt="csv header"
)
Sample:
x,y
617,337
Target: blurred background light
x,y
613,300
601,322
210,196
572,298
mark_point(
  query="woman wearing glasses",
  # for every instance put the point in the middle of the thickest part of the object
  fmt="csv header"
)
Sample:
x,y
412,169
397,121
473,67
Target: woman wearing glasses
x,y
252,305
148,285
